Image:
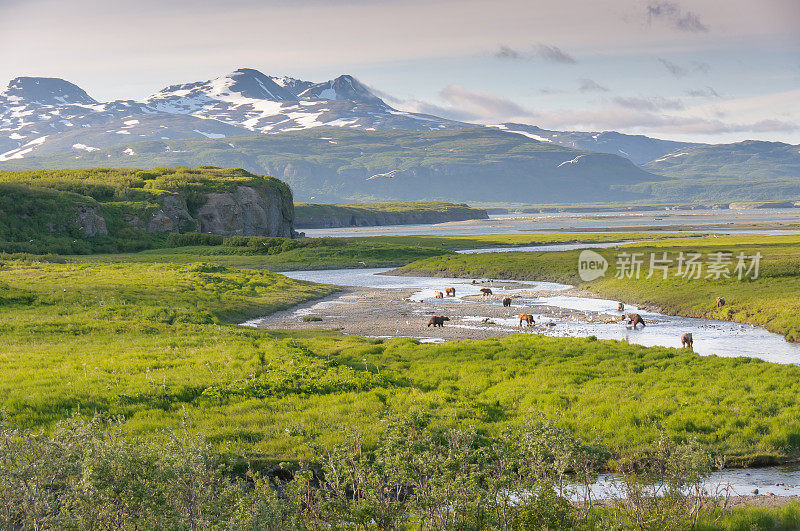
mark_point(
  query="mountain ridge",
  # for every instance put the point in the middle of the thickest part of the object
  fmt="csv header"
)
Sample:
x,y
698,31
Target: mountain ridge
x,y
35,112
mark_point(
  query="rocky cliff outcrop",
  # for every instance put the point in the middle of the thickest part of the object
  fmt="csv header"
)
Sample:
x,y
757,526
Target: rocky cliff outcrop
x,y
325,216
173,217
127,209
90,222
247,212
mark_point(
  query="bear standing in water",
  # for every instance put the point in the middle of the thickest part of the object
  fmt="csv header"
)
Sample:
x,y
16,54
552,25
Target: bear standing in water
x,y
634,319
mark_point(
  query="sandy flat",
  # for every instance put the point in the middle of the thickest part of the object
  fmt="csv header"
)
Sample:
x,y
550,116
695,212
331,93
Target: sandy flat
x,y
374,312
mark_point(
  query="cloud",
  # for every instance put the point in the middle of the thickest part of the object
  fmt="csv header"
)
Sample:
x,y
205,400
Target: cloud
x,y
672,14
682,71
648,104
590,85
554,54
549,90
480,104
674,69
653,123
462,104
546,52
506,52
707,92
638,115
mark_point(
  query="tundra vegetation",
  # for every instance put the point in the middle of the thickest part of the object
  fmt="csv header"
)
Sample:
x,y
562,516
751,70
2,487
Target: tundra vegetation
x,y
148,340
283,254
208,421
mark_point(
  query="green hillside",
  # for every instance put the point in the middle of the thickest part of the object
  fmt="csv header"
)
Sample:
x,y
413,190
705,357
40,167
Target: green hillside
x,y
751,160
104,209
332,164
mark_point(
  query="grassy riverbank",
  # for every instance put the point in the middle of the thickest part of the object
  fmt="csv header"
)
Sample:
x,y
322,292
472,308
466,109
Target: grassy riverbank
x,y
153,343
770,300
282,254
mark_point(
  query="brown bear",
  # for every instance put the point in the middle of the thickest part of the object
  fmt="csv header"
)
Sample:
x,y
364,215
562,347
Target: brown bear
x,y
686,340
526,318
486,292
720,302
507,302
450,292
634,319
620,307
438,294
438,320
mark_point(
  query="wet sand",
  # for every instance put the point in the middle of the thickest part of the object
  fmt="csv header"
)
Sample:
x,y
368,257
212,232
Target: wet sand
x,y
386,313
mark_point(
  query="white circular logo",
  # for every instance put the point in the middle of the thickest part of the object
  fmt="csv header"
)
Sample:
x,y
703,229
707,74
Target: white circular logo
x,y
591,265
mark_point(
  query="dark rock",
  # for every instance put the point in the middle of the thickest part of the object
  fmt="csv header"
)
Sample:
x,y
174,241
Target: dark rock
x,y
90,222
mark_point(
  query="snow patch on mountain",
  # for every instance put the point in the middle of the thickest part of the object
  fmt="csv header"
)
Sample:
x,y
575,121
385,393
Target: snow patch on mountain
x,y
24,150
209,135
84,147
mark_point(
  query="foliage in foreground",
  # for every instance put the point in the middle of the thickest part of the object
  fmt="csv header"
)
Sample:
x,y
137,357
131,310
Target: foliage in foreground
x,y
90,475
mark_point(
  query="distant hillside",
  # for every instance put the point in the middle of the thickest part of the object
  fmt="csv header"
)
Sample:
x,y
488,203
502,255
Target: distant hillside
x,y
333,164
327,215
102,210
751,160
720,190
638,148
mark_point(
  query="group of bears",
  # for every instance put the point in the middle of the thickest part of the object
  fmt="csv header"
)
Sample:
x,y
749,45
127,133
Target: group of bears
x,y
632,318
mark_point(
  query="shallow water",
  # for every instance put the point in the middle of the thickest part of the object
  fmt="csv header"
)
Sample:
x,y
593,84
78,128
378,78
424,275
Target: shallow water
x,y
781,481
553,247
548,223
711,337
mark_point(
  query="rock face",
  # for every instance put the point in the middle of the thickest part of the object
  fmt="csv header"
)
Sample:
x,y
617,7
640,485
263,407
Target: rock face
x,y
173,217
315,216
90,222
246,212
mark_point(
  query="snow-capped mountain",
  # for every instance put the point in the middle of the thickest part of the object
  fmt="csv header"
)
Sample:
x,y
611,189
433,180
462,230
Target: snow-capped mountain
x,y
46,91
341,88
250,99
47,115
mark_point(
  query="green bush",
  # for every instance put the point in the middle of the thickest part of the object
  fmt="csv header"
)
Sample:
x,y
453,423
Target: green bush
x,y
89,473
194,238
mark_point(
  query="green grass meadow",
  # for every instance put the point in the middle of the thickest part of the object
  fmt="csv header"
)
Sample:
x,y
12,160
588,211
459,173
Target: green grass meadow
x,y
155,340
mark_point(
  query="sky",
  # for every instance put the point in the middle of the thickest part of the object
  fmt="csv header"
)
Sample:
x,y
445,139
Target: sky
x,y
698,70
